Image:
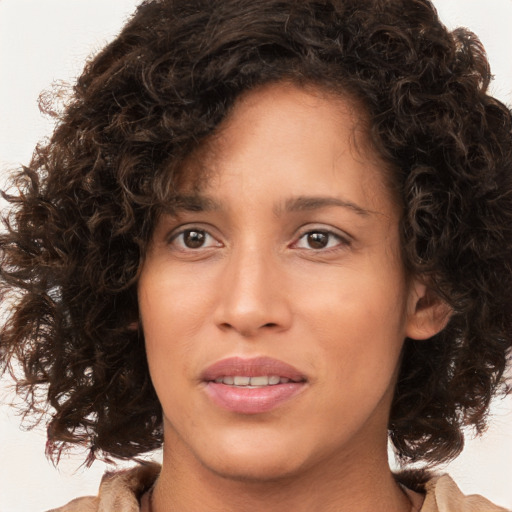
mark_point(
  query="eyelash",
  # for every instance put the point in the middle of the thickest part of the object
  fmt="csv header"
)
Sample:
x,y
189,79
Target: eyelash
x,y
176,236
341,241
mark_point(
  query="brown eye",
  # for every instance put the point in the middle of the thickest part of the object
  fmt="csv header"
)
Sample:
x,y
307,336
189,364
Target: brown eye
x,y
193,239
317,240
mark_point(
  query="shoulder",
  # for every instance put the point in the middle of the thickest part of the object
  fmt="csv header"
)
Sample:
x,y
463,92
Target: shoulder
x,y
443,495
85,504
120,491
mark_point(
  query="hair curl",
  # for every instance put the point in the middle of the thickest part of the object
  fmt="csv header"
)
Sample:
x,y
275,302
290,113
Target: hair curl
x,y
80,224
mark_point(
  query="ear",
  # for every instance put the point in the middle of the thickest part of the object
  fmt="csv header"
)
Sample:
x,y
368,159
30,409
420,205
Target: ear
x,y
428,314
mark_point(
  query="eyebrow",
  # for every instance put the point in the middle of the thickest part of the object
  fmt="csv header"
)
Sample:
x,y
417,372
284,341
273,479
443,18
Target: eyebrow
x,y
195,203
308,203
199,203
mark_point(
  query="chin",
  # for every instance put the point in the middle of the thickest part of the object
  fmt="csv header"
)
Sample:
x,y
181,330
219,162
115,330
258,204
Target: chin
x,y
254,462
251,471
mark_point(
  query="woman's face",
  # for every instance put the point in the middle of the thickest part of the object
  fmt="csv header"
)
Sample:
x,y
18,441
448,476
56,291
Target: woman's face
x,y
274,302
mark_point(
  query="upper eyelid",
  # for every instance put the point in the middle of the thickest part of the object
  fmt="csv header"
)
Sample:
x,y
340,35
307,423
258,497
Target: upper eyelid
x,y
190,226
174,232
177,232
171,238
342,240
308,228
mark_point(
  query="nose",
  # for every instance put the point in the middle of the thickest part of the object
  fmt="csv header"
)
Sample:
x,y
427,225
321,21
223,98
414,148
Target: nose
x,y
253,295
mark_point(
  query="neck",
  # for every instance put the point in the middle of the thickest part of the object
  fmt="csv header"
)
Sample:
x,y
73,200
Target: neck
x,y
345,483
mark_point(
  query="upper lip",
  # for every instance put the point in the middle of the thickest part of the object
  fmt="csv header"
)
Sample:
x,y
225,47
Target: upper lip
x,y
252,367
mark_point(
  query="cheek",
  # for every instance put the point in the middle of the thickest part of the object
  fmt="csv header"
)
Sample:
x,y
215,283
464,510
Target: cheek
x,y
171,304
355,299
358,321
164,315
175,307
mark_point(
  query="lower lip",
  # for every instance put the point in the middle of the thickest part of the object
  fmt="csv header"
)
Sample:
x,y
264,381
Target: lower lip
x,y
244,400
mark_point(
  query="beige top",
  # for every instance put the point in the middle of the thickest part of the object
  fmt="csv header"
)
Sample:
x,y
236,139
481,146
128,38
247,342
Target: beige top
x,y
122,492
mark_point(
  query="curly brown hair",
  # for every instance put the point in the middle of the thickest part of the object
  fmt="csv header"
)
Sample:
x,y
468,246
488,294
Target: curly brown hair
x,y
79,226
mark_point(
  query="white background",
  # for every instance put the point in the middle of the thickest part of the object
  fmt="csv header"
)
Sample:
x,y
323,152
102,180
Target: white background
x,y
46,40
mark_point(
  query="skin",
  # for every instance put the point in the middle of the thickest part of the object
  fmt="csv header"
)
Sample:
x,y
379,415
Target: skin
x,y
259,284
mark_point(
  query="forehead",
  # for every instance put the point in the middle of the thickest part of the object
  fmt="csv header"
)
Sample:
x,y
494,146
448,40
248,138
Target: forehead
x,y
289,116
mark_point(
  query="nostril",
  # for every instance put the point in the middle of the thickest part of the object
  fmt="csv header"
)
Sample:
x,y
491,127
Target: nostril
x,y
246,330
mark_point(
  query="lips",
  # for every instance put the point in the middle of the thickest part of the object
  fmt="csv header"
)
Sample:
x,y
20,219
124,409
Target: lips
x,y
254,367
252,386
245,380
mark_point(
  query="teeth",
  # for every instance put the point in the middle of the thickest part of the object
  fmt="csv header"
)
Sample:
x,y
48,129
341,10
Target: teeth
x,y
259,381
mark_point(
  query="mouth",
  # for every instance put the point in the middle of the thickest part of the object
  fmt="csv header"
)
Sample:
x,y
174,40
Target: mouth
x,y
260,381
252,386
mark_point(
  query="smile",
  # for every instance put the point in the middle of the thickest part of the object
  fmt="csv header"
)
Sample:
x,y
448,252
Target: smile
x,y
252,382
252,386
